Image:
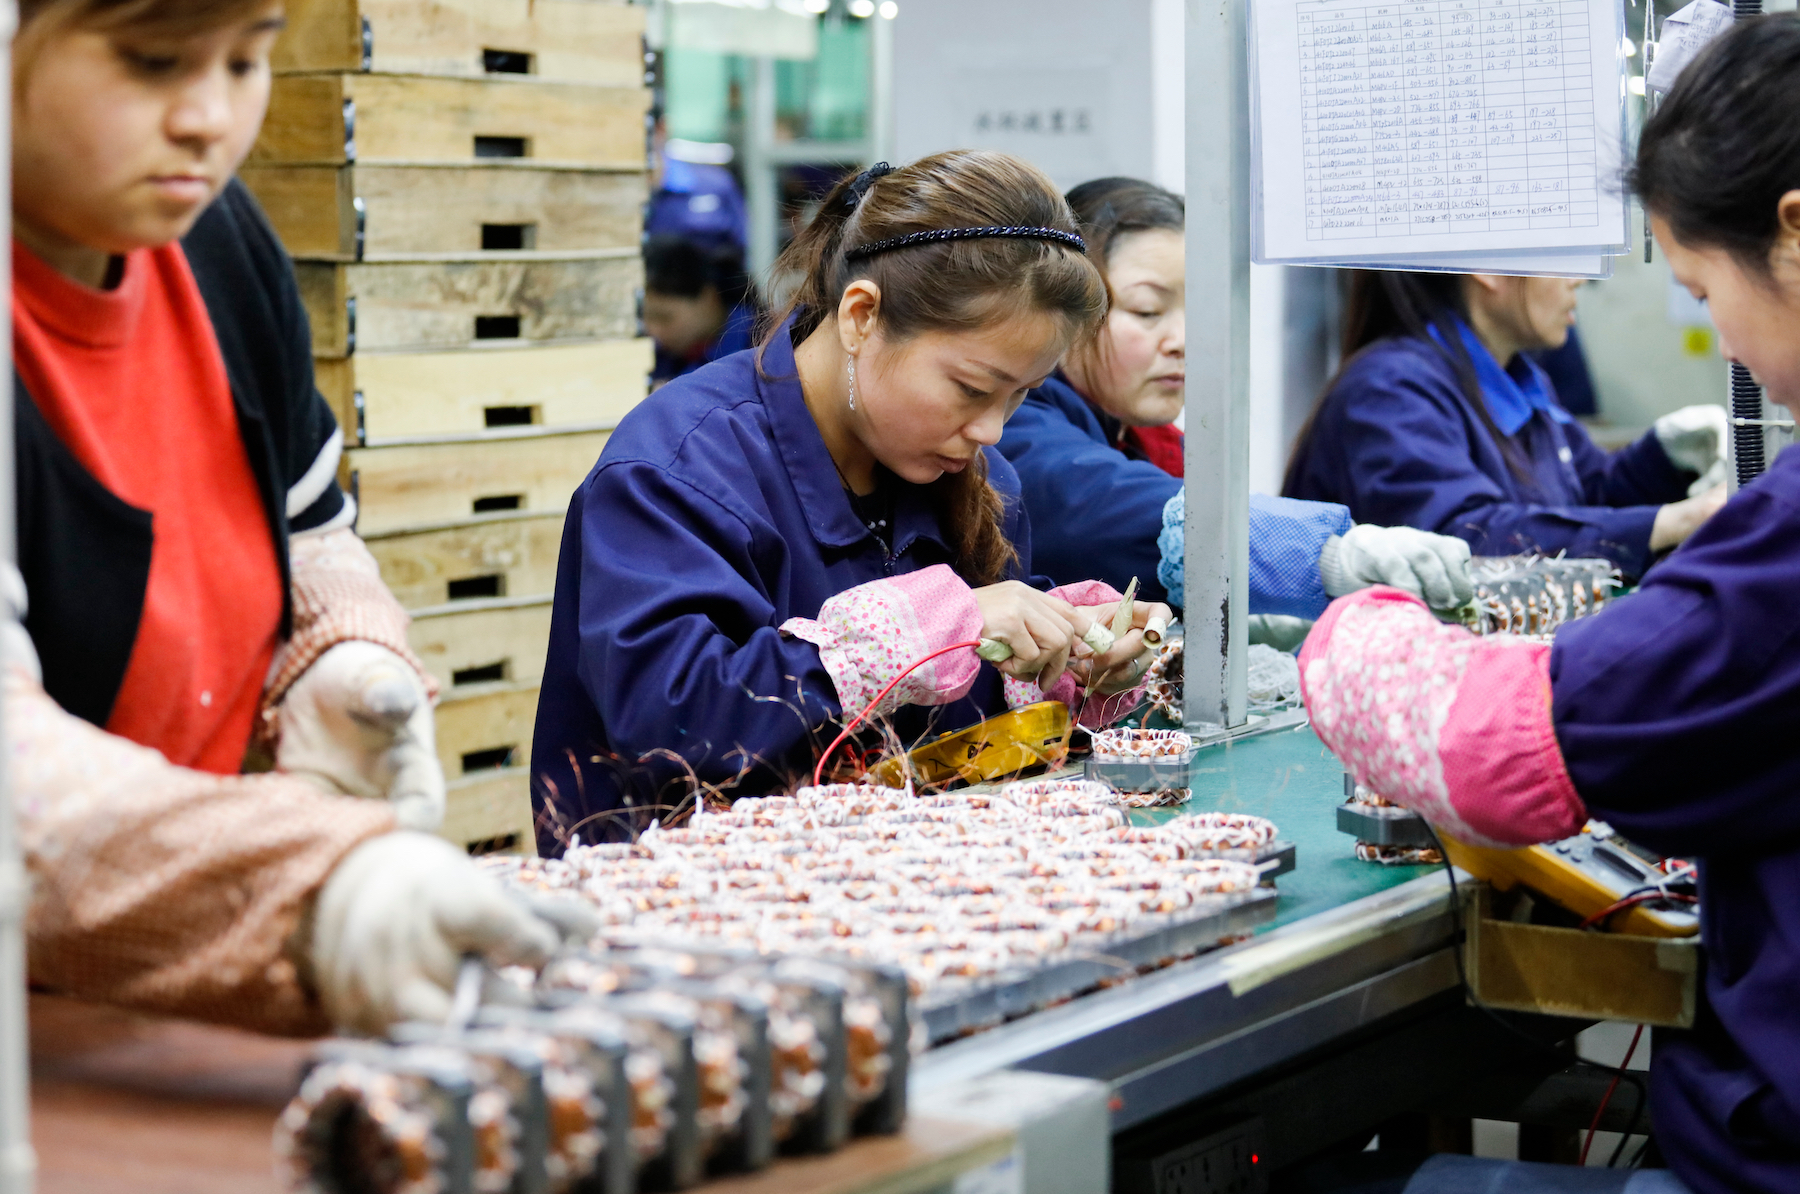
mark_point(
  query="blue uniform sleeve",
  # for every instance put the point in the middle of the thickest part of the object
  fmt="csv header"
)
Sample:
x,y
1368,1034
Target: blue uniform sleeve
x,y
1406,440
1675,707
1094,512
1286,537
1639,474
679,646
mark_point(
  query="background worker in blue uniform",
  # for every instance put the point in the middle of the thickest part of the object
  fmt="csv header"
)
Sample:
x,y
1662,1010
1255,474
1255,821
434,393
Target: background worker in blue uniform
x,y
1672,713
699,304
767,543
699,200
1440,420
1097,498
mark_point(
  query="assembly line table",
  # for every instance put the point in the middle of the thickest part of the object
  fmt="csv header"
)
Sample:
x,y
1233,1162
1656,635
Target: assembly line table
x,y
1340,1013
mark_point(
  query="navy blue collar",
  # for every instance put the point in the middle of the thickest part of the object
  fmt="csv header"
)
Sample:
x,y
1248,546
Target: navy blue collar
x,y
1060,392
815,476
1512,394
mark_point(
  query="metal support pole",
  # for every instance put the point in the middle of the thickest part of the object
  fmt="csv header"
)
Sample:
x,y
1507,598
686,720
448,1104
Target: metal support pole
x,y
762,195
18,1165
1218,365
880,133
1743,397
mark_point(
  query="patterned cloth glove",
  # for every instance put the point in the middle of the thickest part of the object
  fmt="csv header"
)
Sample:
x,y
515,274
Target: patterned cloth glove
x,y
1435,567
359,722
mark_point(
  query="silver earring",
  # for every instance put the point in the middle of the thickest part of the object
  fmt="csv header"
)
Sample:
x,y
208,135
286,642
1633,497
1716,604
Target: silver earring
x,y
852,368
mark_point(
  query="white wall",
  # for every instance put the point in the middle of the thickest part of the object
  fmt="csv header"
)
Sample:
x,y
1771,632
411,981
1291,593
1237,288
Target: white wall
x,y
962,67
1639,357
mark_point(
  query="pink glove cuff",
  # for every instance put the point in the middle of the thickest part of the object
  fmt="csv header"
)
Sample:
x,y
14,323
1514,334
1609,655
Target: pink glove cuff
x,y
1098,712
868,635
1455,727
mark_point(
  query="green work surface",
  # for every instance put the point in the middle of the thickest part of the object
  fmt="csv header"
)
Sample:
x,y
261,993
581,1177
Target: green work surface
x,y
1289,777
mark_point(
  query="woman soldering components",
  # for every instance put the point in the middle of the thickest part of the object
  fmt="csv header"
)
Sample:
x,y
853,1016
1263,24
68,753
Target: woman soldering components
x,y
191,590
1669,715
1440,420
768,542
1099,459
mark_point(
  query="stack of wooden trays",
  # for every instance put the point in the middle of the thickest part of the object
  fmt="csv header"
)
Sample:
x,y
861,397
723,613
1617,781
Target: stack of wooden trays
x,y
461,184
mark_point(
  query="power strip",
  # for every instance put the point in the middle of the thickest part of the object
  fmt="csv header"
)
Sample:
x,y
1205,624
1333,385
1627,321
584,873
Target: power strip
x,y
1229,1161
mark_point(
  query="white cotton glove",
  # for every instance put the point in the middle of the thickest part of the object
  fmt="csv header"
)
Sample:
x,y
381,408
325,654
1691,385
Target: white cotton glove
x,y
1278,631
1693,437
16,647
394,922
1435,567
358,722
1709,480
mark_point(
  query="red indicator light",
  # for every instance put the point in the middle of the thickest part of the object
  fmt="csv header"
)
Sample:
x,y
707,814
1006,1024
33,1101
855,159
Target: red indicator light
x,y
1254,1158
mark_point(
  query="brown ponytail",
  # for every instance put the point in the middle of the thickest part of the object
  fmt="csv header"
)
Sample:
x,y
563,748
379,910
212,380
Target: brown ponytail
x,y
957,285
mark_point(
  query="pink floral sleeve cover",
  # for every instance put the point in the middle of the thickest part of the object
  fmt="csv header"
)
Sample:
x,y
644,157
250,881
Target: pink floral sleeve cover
x,y
1452,726
869,634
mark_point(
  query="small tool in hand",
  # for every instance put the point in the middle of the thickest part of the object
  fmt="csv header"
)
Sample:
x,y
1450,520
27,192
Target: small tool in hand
x,y
1121,624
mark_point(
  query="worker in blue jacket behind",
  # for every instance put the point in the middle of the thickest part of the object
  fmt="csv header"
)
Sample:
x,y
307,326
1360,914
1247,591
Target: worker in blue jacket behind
x,y
699,304
767,543
1439,419
1099,458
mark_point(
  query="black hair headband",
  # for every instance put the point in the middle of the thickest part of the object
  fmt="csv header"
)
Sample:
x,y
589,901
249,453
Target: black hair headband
x,y
859,186
932,236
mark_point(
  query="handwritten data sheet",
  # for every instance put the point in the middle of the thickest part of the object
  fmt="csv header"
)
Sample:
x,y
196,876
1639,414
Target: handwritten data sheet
x,y
1436,127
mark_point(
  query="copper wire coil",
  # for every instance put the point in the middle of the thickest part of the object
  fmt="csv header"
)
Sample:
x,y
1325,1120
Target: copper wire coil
x,y
349,1117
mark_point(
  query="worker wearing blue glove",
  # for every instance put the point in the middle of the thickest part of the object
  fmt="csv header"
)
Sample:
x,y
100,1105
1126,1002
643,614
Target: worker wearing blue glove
x,y
1099,459
1439,419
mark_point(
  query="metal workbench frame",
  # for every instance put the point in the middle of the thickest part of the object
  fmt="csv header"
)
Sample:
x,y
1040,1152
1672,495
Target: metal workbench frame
x,y
1217,452
1202,1026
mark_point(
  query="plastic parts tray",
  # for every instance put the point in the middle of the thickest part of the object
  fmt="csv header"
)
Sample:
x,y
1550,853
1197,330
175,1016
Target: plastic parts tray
x,y
1281,853
1143,775
1384,826
953,1008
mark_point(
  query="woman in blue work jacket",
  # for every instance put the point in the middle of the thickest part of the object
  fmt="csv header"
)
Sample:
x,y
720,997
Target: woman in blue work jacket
x,y
1092,445
770,542
1671,714
699,304
1440,420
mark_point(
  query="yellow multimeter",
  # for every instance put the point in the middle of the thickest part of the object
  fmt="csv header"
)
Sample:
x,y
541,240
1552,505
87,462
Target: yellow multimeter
x,y
1586,874
994,748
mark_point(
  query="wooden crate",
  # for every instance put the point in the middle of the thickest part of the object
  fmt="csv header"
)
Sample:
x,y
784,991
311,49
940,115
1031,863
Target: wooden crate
x,y
383,396
439,212
581,41
405,485
482,642
516,553
442,304
333,119
1593,976
490,811
476,723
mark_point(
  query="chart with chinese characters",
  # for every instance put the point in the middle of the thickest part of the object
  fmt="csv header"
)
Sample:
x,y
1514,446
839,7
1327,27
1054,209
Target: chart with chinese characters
x,y
1436,126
